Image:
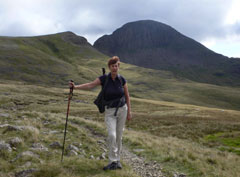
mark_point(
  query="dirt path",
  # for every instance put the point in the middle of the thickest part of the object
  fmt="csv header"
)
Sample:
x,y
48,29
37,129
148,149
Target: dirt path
x,y
140,166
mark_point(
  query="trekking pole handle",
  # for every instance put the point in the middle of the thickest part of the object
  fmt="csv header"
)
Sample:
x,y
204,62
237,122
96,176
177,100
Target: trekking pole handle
x,y
71,81
71,89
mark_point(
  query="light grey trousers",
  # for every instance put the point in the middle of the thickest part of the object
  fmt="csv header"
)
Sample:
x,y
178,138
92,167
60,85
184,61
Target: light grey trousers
x,y
115,126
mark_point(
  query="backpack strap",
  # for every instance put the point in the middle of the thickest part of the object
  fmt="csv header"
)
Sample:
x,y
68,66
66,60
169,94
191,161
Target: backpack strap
x,y
103,71
121,81
105,83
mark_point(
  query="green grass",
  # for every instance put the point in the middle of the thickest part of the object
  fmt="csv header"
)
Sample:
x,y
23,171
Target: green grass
x,y
225,141
44,109
52,61
185,138
80,167
204,135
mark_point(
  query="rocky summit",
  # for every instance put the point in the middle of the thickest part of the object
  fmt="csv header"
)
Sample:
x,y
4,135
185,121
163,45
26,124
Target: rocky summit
x,y
155,45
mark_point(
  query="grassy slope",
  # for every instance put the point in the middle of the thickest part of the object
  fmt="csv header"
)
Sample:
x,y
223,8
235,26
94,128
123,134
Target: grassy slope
x,y
53,61
161,85
194,140
42,108
42,60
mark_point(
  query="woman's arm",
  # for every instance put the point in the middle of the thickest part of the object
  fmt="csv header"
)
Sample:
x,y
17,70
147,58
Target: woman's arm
x,y
129,114
86,86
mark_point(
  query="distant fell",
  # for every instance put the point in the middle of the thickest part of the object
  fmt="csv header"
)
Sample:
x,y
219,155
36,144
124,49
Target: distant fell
x,y
73,38
55,59
155,45
49,59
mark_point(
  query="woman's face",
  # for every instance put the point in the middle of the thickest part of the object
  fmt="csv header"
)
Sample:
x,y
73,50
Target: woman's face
x,y
114,68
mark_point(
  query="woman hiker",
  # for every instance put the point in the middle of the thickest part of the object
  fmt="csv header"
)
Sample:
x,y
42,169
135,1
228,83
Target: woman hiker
x,y
116,112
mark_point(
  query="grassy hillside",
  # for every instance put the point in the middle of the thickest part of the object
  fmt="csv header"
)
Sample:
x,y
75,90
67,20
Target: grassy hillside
x,y
55,59
183,139
45,59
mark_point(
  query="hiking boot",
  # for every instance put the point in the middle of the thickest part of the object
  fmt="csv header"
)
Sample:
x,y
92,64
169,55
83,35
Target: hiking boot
x,y
111,166
119,165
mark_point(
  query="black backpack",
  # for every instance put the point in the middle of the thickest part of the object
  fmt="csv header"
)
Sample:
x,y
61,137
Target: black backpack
x,y
101,103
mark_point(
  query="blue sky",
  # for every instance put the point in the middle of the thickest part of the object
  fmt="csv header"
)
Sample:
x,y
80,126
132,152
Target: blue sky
x,y
215,23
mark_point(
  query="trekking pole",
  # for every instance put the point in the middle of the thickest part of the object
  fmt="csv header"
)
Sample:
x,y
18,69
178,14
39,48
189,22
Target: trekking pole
x,y
65,131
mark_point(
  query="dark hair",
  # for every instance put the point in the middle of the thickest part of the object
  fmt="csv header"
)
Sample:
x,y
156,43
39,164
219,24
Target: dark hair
x,y
113,60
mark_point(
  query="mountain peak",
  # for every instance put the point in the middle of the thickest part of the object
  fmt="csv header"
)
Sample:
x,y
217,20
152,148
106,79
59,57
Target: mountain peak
x,y
146,23
71,37
155,45
140,35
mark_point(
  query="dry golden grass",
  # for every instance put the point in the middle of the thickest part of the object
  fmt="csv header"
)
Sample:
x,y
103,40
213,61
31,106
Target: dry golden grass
x,y
202,160
182,137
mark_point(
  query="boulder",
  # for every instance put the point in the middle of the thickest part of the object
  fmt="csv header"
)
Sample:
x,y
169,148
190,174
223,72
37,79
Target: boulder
x,y
72,147
15,142
25,154
39,147
72,153
12,128
4,115
5,146
55,145
25,173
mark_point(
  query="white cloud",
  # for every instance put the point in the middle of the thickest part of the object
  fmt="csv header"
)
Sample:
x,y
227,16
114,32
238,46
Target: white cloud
x,y
233,15
209,42
228,46
201,20
28,18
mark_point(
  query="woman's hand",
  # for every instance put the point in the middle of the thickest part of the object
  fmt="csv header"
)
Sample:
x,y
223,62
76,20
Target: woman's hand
x,y
129,116
71,84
